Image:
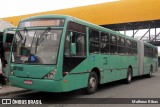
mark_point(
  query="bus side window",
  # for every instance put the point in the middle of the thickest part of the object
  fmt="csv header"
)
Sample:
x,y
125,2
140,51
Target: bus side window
x,y
113,44
105,43
134,47
121,45
128,46
93,41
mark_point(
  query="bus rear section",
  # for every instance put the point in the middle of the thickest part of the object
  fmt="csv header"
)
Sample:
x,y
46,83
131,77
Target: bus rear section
x,y
147,58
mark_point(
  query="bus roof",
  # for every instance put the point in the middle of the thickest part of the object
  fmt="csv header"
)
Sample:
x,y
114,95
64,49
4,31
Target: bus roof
x,y
46,17
88,24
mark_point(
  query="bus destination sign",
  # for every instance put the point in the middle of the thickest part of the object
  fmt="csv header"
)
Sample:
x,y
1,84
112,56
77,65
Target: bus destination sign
x,y
40,23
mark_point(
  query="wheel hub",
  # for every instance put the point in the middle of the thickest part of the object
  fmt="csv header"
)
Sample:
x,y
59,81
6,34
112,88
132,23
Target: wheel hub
x,y
129,76
92,82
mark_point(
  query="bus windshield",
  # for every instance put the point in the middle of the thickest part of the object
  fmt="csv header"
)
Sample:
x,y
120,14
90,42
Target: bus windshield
x,y
36,46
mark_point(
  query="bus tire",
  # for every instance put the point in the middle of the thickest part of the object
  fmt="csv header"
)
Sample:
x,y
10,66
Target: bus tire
x,y
129,76
92,83
150,72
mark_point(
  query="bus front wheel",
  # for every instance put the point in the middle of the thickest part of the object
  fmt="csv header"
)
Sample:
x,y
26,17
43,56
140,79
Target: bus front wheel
x,y
92,83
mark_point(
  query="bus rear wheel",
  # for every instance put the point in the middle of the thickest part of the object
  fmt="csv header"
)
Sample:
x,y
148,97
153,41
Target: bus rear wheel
x,y
150,72
129,76
92,83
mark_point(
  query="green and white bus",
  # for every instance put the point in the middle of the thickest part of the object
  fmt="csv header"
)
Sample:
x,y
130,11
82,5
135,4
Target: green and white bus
x,y
58,53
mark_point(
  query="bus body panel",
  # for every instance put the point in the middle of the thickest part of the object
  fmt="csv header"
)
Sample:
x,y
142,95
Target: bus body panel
x,y
36,71
78,76
37,84
75,81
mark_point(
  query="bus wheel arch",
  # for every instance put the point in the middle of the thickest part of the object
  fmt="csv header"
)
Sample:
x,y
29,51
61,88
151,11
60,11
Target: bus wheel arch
x,y
93,81
97,71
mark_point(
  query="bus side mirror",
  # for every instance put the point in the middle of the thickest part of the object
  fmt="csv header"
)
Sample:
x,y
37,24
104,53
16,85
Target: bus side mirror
x,y
73,49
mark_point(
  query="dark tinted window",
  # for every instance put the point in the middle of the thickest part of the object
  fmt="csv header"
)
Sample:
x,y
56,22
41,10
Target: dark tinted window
x,y
113,44
121,45
121,41
94,41
104,43
105,37
113,39
131,47
128,43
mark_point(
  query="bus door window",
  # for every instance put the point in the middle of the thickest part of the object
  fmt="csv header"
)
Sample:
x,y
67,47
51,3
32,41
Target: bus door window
x,y
80,43
67,45
79,40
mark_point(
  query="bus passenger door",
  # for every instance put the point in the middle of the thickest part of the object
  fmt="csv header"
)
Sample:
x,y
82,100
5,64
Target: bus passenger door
x,y
75,60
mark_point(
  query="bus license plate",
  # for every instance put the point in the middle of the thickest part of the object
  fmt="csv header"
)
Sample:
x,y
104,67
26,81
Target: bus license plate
x,y
29,82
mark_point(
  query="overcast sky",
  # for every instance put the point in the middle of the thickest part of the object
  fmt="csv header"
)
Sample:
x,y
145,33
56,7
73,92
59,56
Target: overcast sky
x,y
21,7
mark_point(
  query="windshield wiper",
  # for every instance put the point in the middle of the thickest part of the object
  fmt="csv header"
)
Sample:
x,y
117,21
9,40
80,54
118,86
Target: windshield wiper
x,y
42,35
23,38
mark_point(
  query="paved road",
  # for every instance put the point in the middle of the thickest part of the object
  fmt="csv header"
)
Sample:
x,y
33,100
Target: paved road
x,y
141,87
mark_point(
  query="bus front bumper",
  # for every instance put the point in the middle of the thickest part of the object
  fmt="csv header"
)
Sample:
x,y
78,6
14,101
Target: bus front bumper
x,y
37,84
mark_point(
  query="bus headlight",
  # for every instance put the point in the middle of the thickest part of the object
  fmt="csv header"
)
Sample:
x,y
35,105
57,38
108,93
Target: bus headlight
x,y
50,75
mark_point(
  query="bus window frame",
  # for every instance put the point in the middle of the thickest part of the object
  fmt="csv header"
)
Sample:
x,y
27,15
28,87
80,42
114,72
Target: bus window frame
x,y
106,43
98,42
123,52
74,31
114,44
